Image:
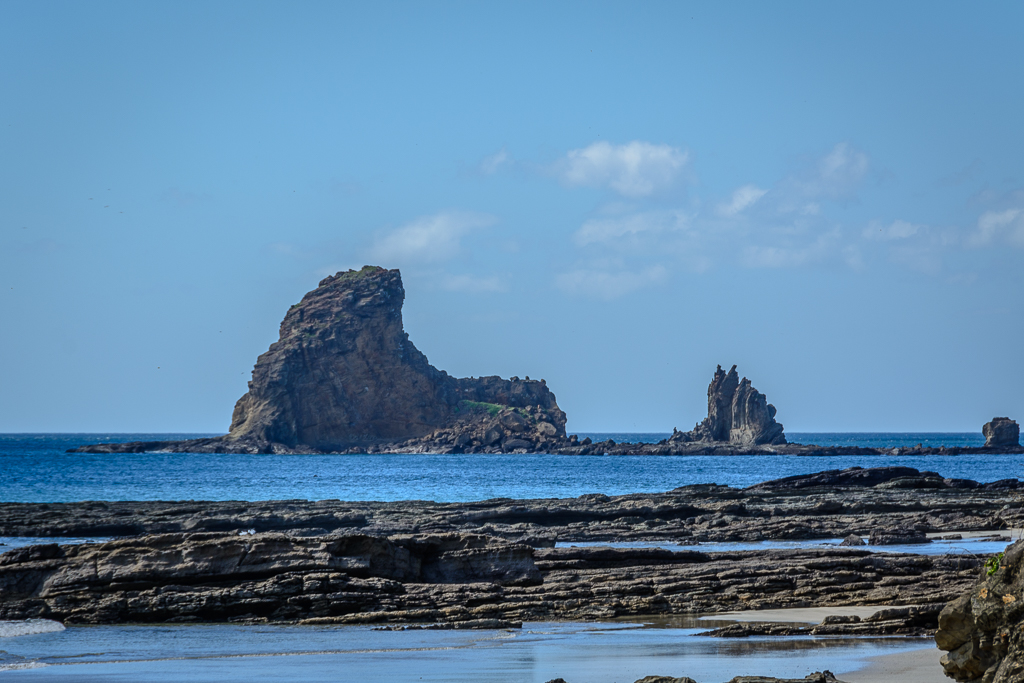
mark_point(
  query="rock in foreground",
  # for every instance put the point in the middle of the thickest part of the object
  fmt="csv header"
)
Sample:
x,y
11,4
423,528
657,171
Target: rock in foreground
x,y
983,630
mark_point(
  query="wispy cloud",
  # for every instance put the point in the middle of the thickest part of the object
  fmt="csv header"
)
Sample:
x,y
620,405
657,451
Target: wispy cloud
x,y
741,199
473,283
636,169
793,254
492,163
428,239
996,226
836,176
897,230
609,283
607,229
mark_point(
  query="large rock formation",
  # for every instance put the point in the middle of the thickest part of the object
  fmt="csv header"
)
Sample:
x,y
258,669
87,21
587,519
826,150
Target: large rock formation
x,y
344,376
982,631
737,414
1001,431
345,373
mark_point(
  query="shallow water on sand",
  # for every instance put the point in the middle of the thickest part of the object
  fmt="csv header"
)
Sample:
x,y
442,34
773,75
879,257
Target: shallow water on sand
x,y
35,468
601,653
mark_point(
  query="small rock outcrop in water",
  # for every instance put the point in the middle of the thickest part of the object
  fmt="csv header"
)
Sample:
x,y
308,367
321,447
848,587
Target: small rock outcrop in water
x,y
982,631
737,414
1001,431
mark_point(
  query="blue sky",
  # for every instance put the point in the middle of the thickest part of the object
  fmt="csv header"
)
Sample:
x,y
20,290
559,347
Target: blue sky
x,y
611,197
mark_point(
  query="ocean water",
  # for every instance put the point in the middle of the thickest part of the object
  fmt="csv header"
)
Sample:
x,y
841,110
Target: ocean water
x,y
580,653
36,468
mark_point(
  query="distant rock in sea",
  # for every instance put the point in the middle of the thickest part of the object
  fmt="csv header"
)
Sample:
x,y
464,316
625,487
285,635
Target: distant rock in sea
x,y
1001,431
737,414
344,377
345,373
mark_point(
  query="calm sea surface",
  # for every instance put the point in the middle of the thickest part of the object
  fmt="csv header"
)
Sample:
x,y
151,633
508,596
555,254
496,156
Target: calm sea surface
x,y
35,468
582,653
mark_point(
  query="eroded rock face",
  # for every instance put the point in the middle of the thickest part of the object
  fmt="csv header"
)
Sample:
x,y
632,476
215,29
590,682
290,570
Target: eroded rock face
x,y
345,373
737,414
981,630
1001,431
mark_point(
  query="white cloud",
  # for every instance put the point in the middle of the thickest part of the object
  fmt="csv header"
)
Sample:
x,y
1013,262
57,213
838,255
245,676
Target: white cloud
x,y
611,228
636,169
835,176
492,163
897,230
603,283
842,168
791,255
742,198
428,238
996,225
471,283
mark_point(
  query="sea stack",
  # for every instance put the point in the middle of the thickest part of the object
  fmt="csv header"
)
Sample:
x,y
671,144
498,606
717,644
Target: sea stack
x,y
344,373
737,414
1001,431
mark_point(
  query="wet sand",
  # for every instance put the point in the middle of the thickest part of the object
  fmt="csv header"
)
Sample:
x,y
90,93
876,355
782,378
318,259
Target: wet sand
x,y
915,666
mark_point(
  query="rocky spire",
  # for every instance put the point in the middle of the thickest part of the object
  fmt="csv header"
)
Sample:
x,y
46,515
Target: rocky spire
x,y
737,413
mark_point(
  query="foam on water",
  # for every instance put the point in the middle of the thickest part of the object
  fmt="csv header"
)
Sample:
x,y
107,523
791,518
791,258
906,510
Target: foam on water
x,y
28,627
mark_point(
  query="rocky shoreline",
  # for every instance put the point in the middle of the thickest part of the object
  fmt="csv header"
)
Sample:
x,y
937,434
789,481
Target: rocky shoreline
x,y
495,563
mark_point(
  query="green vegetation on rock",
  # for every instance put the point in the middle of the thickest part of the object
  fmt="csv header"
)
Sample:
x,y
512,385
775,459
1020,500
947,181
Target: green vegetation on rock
x,y
492,409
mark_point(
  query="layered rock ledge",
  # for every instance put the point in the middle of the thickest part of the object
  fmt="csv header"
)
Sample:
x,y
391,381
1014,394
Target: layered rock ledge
x,y
504,561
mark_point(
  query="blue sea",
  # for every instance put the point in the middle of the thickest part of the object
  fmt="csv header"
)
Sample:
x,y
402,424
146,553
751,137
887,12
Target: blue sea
x,y
36,468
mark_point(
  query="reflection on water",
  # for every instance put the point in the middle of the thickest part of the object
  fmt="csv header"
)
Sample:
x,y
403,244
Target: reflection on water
x,y
593,653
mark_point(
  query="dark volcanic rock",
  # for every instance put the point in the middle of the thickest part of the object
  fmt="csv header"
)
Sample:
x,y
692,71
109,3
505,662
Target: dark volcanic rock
x,y
851,476
1001,431
897,537
737,414
469,562
982,631
344,375
447,578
